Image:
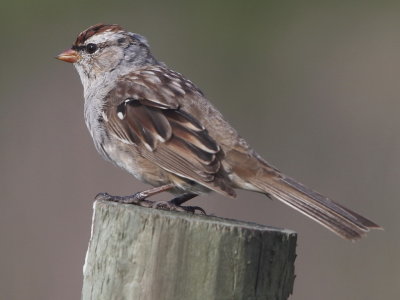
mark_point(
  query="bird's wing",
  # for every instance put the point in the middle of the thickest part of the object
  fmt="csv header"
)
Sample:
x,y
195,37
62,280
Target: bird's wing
x,y
143,110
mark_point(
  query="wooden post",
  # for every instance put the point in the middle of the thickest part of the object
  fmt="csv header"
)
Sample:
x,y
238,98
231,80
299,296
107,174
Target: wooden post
x,y
148,254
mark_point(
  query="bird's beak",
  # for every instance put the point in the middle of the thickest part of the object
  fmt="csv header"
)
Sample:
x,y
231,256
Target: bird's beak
x,y
69,55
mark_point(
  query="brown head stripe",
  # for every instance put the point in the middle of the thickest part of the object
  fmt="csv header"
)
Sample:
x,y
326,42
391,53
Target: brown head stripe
x,y
92,30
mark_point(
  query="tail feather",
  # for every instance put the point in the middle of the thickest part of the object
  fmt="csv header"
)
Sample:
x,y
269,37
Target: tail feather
x,y
333,216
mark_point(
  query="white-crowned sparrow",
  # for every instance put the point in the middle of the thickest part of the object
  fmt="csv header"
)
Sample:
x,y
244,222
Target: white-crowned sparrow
x,y
158,126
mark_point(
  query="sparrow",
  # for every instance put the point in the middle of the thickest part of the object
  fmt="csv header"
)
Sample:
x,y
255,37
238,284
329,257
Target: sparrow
x,y
158,126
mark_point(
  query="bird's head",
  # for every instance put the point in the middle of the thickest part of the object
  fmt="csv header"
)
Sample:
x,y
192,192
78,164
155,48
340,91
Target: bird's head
x,y
102,49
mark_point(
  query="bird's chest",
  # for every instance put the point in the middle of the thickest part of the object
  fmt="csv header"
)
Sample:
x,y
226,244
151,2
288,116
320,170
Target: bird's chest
x,y
125,156
95,123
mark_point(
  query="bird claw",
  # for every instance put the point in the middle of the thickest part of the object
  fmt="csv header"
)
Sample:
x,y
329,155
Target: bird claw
x,y
168,205
103,196
139,199
136,199
193,210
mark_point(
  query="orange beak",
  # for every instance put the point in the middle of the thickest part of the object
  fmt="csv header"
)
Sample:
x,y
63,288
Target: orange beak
x,y
69,55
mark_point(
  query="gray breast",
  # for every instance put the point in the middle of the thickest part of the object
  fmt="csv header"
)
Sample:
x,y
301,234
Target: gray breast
x,y
95,123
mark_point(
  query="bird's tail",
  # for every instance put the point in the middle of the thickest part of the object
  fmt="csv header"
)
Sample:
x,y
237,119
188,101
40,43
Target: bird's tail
x,y
335,217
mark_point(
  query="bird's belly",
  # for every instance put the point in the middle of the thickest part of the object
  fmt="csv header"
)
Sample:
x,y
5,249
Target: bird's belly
x,y
128,158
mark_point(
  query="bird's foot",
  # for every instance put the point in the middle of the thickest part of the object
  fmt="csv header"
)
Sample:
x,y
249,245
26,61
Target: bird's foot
x,y
140,199
136,199
171,206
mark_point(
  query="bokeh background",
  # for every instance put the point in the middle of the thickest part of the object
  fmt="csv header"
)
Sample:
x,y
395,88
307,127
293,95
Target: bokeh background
x,y
313,86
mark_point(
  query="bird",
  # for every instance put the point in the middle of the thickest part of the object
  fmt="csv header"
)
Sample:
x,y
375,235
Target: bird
x,y
159,126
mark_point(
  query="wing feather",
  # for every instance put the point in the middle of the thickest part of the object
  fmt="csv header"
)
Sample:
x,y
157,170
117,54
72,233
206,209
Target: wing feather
x,y
175,140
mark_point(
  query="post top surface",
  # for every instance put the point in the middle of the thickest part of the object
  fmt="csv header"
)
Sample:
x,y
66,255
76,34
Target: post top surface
x,y
192,218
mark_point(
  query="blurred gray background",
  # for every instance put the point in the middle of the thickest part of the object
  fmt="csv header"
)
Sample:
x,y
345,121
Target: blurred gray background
x,y
313,87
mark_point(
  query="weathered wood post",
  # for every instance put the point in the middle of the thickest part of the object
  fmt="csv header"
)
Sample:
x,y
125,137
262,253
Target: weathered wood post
x,y
148,254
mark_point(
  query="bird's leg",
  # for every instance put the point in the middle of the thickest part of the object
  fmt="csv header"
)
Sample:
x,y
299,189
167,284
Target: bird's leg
x,y
178,201
176,204
137,198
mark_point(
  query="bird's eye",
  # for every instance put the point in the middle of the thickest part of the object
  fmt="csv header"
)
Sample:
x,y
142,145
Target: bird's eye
x,y
91,48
